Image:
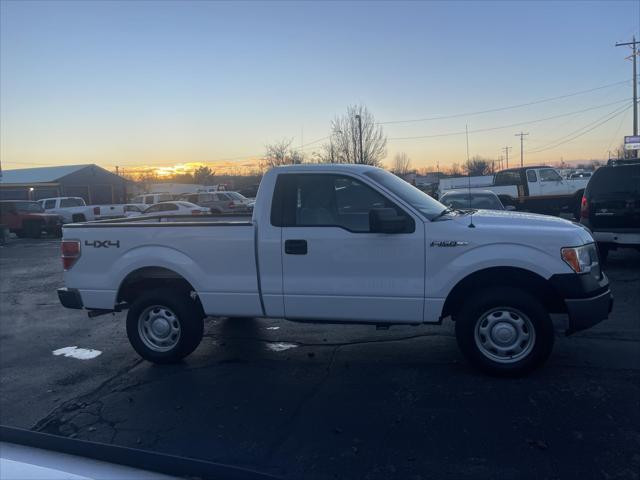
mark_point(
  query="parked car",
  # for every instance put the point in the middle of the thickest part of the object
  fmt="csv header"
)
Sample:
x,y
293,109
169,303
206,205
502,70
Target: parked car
x,y
134,209
538,189
152,198
105,212
236,196
28,219
71,209
345,244
218,202
479,199
611,207
175,208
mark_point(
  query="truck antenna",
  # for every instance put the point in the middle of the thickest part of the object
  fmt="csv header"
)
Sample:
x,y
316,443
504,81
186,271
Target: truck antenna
x,y
471,225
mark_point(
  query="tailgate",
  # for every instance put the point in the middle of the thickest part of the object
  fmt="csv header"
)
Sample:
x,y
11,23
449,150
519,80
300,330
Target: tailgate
x,y
615,210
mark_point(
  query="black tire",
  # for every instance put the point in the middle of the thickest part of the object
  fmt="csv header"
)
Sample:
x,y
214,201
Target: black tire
x,y
78,218
32,229
20,233
185,311
517,305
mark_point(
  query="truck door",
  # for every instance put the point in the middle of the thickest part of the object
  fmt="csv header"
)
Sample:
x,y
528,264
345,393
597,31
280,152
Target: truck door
x,y
333,267
532,181
551,182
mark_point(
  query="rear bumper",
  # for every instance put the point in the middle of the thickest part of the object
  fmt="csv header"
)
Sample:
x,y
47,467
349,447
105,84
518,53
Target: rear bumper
x,y
622,238
70,298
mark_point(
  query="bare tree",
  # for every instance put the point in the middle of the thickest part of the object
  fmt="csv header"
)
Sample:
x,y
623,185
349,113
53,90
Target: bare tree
x,y
281,153
401,164
479,166
203,175
344,143
453,171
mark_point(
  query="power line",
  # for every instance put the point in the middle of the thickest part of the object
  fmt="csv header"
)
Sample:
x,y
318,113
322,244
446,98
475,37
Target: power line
x,y
611,117
499,109
488,129
580,129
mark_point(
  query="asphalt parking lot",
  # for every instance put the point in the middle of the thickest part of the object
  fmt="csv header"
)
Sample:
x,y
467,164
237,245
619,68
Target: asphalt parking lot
x,y
312,401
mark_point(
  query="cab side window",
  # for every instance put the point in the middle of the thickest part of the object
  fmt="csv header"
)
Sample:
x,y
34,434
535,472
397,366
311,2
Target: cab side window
x,y
531,176
549,175
508,178
327,200
48,204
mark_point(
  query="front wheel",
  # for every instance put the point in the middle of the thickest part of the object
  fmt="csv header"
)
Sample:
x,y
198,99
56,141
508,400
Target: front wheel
x,y
164,325
504,331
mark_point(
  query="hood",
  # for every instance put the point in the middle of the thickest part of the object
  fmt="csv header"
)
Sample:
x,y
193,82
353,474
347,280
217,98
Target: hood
x,y
529,226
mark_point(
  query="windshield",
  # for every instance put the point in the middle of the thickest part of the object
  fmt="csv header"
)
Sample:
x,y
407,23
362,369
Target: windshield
x,y
426,205
29,207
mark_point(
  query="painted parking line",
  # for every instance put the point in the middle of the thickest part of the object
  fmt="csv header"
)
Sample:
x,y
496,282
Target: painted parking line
x,y
79,353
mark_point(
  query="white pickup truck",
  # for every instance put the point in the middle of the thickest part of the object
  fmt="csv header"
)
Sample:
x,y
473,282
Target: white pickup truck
x,y
343,244
71,209
539,189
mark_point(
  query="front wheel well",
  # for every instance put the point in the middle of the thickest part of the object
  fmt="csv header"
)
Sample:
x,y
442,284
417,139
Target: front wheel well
x,y
504,277
151,278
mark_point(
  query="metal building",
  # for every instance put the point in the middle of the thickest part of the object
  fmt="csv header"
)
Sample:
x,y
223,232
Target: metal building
x,y
93,183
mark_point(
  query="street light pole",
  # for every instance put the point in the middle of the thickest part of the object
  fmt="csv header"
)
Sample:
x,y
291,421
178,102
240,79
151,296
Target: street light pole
x,y
360,130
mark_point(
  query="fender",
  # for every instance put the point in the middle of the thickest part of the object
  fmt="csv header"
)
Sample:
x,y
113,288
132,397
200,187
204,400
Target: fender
x,y
157,256
445,275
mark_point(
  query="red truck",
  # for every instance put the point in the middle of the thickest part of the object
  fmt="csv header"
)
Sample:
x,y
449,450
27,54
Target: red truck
x,y
28,219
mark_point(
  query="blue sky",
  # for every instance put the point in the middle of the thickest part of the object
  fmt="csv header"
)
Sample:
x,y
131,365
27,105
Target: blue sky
x,y
160,83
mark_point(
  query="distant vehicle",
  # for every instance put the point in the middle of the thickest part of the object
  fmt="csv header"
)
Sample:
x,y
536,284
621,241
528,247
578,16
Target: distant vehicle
x,y
538,189
153,198
134,209
577,175
344,244
175,208
71,209
249,203
218,202
465,199
28,219
611,207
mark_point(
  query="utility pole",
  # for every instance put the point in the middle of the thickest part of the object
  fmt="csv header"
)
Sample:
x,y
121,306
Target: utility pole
x,y
634,56
506,152
521,135
360,130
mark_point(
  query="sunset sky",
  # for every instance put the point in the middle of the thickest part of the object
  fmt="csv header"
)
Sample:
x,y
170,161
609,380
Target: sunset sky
x,y
164,83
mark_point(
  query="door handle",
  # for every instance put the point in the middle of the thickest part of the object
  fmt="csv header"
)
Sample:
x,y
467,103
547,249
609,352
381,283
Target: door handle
x,y
295,247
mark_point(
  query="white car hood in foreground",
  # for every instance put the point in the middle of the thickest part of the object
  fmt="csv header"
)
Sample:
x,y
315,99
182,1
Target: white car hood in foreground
x,y
530,227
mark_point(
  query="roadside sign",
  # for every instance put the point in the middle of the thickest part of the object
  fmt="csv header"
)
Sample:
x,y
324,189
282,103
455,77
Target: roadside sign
x,y
632,142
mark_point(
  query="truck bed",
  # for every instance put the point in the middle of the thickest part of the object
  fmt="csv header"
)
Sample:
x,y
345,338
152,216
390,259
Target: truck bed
x,y
215,254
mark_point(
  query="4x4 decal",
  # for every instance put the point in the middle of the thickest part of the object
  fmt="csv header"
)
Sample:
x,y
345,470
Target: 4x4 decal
x,y
102,243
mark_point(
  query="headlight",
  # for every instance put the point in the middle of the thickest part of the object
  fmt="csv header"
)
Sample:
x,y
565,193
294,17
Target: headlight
x,y
583,259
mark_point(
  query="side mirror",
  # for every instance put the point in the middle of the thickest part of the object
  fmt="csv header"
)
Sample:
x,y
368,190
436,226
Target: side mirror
x,y
386,220
510,208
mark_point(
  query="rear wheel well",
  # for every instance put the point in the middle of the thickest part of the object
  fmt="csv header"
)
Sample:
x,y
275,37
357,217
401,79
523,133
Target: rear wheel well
x,y
504,277
150,278
78,217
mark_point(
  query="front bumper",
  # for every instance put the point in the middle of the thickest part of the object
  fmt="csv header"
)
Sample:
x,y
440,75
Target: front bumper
x,y
586,312
70,298
587,299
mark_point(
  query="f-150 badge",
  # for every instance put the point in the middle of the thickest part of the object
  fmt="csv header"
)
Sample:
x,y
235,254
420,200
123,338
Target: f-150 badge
x,y
448,243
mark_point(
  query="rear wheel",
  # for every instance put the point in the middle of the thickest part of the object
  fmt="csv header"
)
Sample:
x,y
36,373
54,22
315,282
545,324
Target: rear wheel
x,y
504,331
164,326
78,218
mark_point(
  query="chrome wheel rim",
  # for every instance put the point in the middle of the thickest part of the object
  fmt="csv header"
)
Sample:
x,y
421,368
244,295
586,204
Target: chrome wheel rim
x,y
505,335
159,328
